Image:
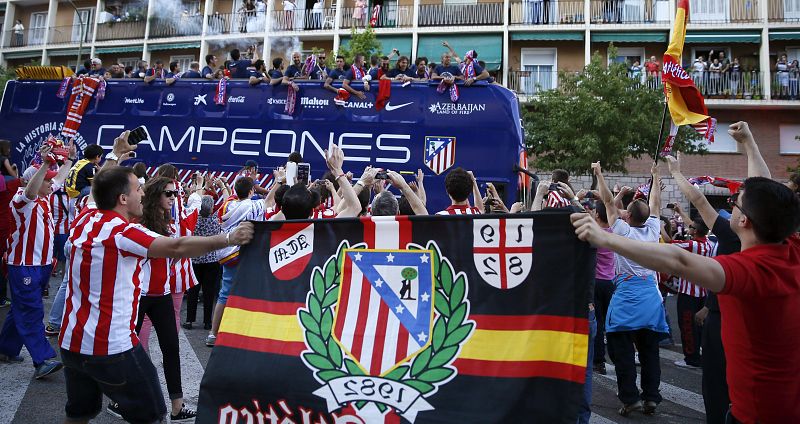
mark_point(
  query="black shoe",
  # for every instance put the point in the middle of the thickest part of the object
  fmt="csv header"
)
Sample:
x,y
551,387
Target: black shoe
x,y
626,410
185,414
187,325
45,293
11,359
113,409
46,368
206,326
51,330
649,408
600,368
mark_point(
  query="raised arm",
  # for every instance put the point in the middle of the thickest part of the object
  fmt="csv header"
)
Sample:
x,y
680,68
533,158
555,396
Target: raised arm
x,y
612,213
416,204
35,183
193,246
335,158
476,192
421,187
63,170
756,166
693,195
538,199
121,150
655,192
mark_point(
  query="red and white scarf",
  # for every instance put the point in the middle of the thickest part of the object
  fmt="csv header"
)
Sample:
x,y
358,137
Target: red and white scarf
x,y
376,12
358,73
291,100
83,89
454,94
222,88
311,63
468,65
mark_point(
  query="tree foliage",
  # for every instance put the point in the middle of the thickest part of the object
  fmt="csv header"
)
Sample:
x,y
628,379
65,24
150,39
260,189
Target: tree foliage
x,y
363,42
6,74
598,114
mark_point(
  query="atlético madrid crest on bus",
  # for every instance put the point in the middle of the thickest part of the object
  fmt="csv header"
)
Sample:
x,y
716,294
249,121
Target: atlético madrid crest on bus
x,y
375,340
440,153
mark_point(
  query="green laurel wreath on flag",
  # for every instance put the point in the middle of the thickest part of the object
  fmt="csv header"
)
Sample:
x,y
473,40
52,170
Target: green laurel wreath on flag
x,y
430,367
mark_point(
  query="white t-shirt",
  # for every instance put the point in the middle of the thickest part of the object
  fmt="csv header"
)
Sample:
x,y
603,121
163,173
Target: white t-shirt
x,y
649,232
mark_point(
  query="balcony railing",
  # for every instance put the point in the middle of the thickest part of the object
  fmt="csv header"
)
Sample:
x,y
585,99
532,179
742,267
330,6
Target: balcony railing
x,y
235,23
531,83
390,17
630,11
178,27
784,11
460,14
537,12
723,11
120,30
70,34
785,85
31,37
303,20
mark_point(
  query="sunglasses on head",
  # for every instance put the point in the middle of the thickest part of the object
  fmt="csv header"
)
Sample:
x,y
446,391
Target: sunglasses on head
x,y
170,193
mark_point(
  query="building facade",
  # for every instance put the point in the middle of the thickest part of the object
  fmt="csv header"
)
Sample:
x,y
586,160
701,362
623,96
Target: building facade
x,y
524,43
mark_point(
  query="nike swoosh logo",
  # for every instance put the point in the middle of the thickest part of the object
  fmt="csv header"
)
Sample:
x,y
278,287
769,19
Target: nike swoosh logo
x,y
390,108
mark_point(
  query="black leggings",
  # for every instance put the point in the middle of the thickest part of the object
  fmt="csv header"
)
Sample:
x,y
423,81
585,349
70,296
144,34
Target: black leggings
x,y
162,315
208,276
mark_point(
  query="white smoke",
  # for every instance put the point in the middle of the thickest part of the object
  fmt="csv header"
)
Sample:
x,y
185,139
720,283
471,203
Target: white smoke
x,y
173,18
284,47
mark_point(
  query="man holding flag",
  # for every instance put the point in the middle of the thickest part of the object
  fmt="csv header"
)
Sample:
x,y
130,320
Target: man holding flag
x,y
686,104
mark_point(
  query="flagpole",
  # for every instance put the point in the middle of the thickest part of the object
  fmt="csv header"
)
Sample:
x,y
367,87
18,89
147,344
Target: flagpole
x,y
658,144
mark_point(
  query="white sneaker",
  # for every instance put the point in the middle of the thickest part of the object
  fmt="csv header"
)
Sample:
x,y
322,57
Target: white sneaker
x,y
682,363
211,340
636,360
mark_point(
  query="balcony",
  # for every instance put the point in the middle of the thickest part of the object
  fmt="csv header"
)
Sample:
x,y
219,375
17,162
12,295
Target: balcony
x,y
303,20
70,34
390,17
531,83
31,37
785,85
129,30
630,12
235,23
536,12
723,11
784,11
179,27
432,15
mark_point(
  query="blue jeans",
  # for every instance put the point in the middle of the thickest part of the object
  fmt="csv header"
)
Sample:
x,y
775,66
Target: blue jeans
x,y
585,411
57,310
23,324
228,275
58,246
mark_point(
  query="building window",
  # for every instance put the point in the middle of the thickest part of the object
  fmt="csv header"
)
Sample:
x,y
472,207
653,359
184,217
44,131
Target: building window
x,y
629,55
183,61
539,70
723,142
38,28
790,139
129,61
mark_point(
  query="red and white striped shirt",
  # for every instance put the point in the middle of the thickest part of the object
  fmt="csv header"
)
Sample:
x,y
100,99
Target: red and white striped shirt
x,y
322,212
556,200
181,275
105,283
31,243
701,246
59,208
460,210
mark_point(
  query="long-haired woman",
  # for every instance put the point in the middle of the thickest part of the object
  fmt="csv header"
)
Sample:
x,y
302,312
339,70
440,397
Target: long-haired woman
x,y
160,195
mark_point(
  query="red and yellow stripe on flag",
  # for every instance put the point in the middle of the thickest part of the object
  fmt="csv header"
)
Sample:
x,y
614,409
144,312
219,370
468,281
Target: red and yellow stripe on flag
x,y
262,326
686,103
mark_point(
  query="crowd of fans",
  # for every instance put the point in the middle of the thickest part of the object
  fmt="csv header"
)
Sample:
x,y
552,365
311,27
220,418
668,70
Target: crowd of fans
x,y
129,246
313,67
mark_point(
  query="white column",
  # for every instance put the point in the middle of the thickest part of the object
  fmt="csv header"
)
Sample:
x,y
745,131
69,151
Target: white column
x,y
52,9
97,11
8,22
414,33
587,33
207,12
267,54
337,39
506,47
145,52
763,52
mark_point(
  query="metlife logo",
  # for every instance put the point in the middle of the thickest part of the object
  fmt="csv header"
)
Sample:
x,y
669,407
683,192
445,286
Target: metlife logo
x,y
135,101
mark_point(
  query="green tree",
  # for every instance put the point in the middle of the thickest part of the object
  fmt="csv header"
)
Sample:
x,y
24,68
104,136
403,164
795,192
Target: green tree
x,y
6,74
363,42
598,114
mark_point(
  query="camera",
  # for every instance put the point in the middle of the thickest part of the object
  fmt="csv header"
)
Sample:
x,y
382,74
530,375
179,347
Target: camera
x,y
553,187
382,175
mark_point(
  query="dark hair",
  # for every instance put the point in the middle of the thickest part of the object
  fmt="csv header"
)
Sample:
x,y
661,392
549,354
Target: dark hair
x,y
92,151
279,193
341,57
259,64
420,59
773,209
384,57
297,202
154,217
87,63
400,59
357,56
627,198
5,148
140,170
602,213
173,66
667,225
209,57
458,184
700,227
167,170
243,186
404,206
235,54
373,60
128,69
638,211
316,196
277,62
295,157
328,175
109,184
795,179
159,62
363,199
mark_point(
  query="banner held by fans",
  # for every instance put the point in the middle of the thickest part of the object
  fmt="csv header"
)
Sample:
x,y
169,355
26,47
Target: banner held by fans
x,y
390,320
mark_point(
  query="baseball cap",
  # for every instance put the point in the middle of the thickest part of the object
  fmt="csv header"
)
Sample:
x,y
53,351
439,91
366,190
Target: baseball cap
x,y
28,174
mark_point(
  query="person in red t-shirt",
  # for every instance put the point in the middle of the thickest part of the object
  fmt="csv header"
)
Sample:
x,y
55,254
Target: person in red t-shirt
x,y
758,292
652,67
459,184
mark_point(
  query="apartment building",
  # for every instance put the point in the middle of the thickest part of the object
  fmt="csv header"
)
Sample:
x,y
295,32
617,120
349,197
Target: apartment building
x,y
525,43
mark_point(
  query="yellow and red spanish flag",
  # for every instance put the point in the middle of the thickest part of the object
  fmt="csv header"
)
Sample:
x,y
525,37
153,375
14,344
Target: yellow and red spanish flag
x,y
405,319
686,103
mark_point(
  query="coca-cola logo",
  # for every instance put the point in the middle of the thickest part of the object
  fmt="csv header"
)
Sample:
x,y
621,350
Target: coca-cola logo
x,y
236,99
675,70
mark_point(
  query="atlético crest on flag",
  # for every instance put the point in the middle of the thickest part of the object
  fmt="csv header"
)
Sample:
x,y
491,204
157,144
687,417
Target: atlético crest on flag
x,y
389,320
440,153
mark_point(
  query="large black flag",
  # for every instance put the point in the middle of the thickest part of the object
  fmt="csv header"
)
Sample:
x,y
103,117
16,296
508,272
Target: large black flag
x,y
404,319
